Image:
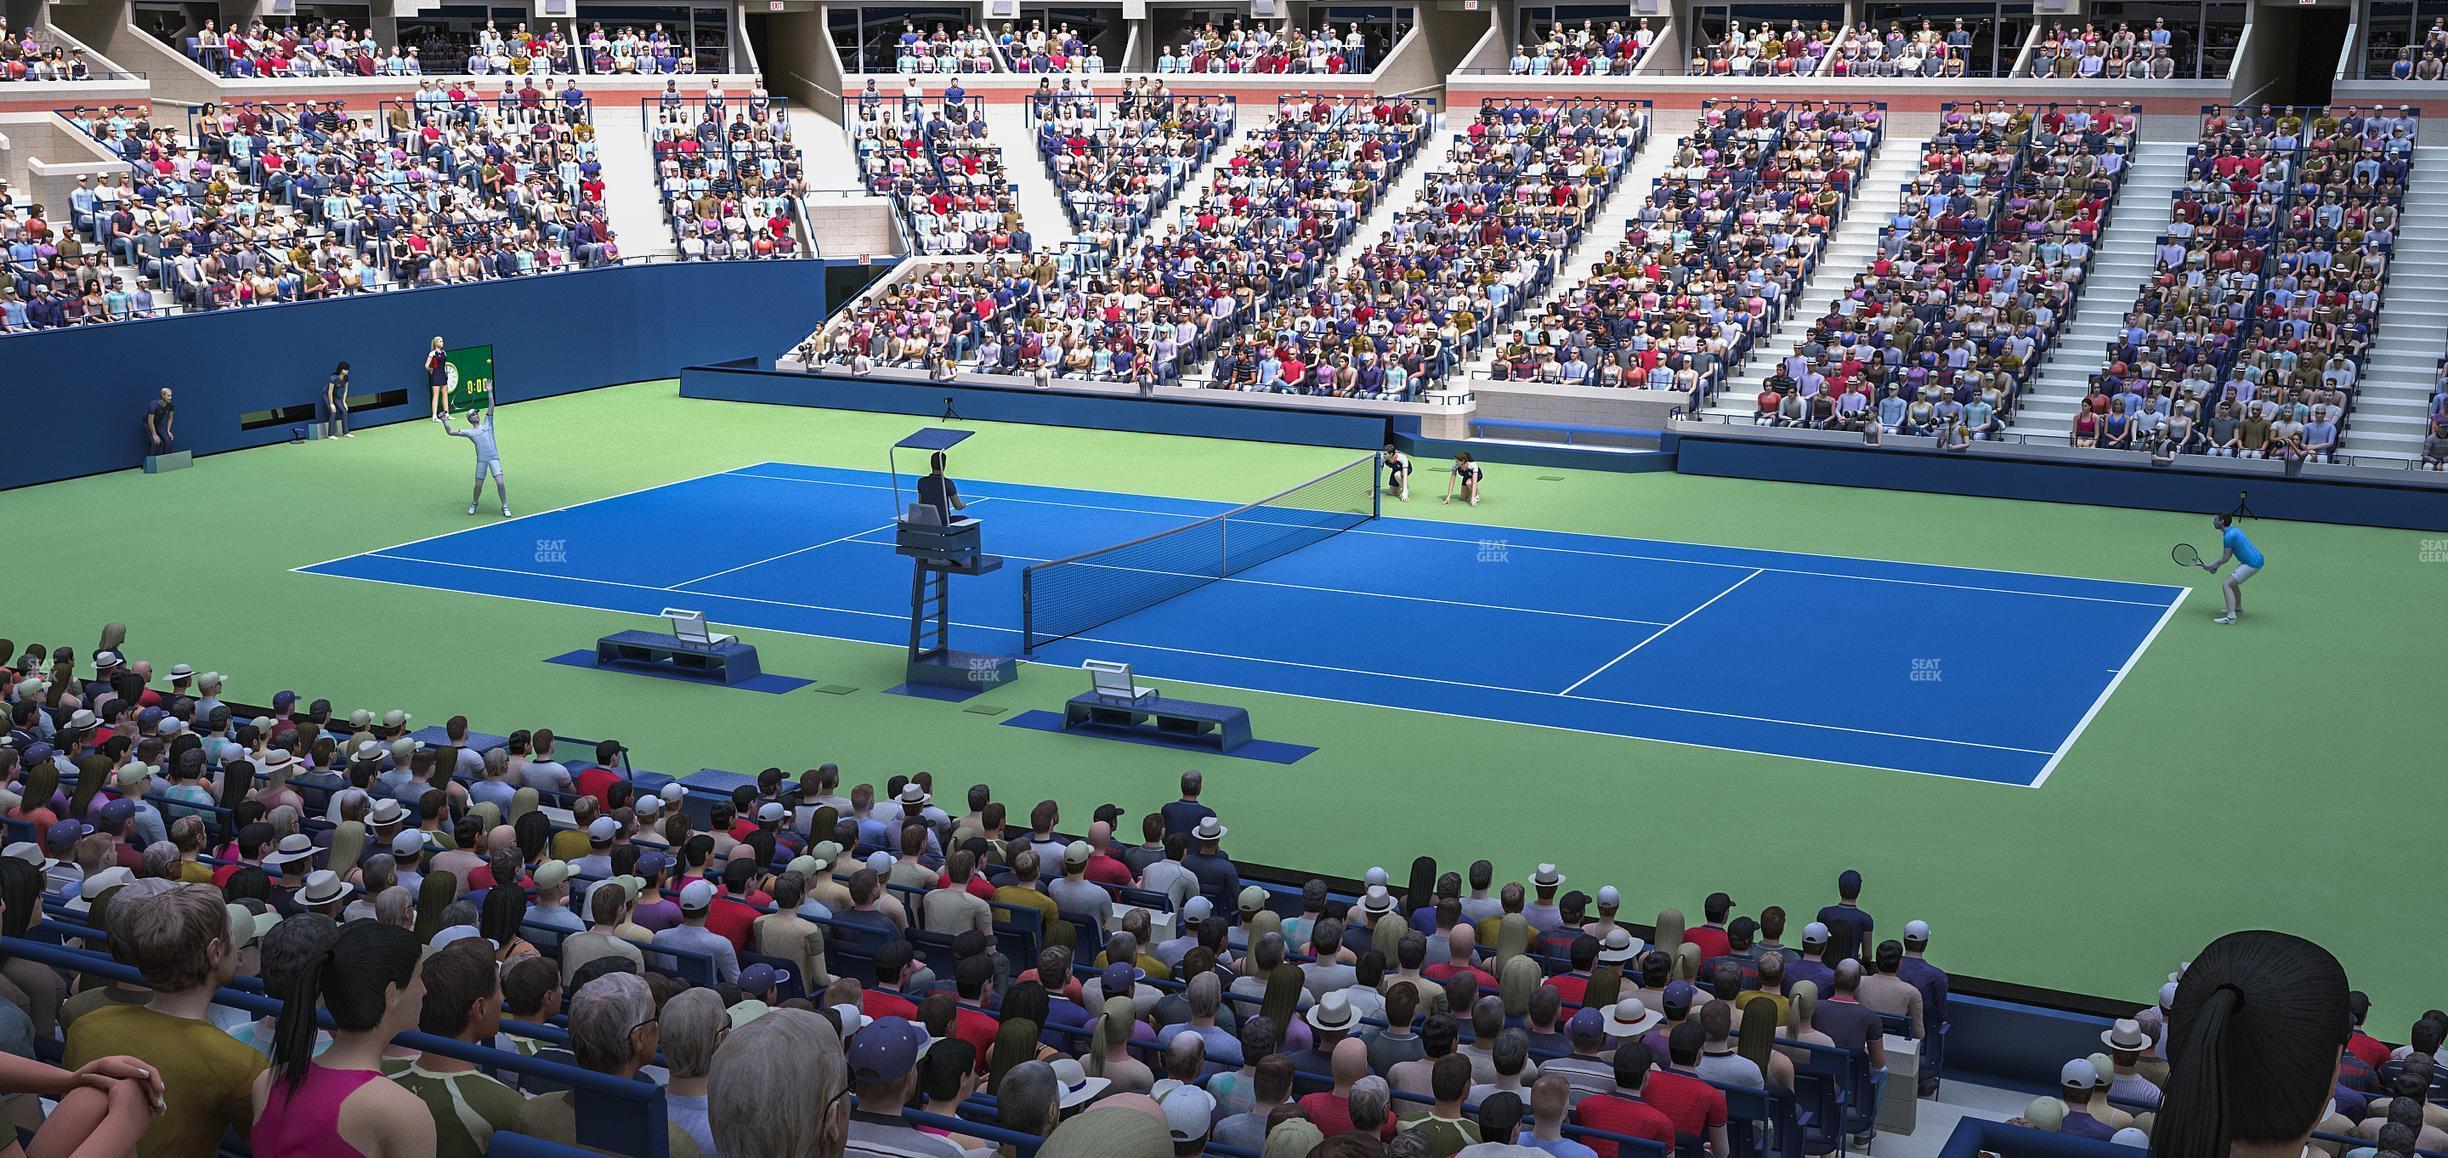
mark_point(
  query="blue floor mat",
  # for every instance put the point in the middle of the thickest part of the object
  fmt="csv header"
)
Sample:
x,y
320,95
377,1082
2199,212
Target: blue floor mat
x,y
1270,751
769,683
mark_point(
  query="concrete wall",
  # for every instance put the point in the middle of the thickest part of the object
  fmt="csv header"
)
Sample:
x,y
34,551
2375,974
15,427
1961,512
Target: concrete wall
x,y
1577,405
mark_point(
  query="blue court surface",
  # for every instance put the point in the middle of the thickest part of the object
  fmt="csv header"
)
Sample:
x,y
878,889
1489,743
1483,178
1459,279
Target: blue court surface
x,y
1979,675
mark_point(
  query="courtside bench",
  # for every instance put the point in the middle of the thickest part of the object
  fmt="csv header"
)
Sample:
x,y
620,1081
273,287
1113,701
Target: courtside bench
x,y
725,662
1182,721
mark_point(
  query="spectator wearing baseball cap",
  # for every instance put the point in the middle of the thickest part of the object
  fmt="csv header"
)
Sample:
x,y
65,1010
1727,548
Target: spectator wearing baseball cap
x,y
1082,901
1812,965
691,935
2078,1082
552,901
1918,972
883,1061
601,833
1188,1113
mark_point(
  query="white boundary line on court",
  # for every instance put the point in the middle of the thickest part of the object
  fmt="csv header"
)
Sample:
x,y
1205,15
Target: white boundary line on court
x,y
1384,534
1227,687
746,471
1478,687
854,535
529,515
1627,654
2080,725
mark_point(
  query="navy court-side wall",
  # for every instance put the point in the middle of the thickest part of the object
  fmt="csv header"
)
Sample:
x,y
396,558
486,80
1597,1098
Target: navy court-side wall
x,y
2272,495
744,380
77,396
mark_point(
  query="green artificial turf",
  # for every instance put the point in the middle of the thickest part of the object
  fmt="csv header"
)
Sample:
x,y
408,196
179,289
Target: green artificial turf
x,y
2241,777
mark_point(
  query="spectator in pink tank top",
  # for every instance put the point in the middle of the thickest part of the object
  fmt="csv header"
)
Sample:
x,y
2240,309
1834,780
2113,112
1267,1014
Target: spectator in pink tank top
x,y
340,1104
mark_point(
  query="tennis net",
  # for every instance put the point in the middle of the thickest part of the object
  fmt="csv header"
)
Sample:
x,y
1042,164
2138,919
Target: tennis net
x,y
1063,597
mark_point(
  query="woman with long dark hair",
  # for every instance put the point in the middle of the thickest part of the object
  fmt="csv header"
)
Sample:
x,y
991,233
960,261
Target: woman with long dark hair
x,y
340,1103
504,915
2253,1045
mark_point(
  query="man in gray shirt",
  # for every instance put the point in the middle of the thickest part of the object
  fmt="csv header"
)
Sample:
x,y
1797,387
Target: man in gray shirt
x,y
1077,896
488,457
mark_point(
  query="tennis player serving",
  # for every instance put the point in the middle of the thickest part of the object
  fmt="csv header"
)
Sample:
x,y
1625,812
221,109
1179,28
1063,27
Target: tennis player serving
x,y
488,455
2233,545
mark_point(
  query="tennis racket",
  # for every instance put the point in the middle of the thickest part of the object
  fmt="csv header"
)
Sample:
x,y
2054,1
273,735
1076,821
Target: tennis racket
x,y
2185,555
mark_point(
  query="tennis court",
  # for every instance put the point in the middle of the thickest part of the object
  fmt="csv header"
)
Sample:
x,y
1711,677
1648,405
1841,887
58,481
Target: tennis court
x,y
1973,674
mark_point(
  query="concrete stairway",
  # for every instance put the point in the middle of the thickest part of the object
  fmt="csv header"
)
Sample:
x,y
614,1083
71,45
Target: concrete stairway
x,y
633,199
1850,248
2124,264
2390,406
1404,193
1041,207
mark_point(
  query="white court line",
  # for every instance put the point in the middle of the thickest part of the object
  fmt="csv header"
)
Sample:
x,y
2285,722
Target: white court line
x,y
2110,690
1234,687
1480,687
1576,684
1384,534
525,517
854,535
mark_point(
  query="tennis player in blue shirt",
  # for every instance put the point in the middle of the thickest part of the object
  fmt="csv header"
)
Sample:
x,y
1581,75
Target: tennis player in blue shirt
x,y
2233,545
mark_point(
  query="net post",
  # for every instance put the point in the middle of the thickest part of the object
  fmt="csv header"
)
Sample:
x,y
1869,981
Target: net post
x,y
1028,619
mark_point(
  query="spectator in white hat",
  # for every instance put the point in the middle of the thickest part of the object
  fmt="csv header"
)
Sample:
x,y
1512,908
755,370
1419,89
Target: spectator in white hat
x,y
1217,878
1811,965
692,935
2077,1082
2126,1042
1541,911
1917,971
601,833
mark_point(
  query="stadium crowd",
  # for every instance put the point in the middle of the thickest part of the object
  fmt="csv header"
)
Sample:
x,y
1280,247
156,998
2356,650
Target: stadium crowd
x,y
933,159
1763,51
943,50
1290,197
1975,273
2251,335
1266,49
1116,162
1565,50
805,966
1864,51
24,56
263,204
1712,259
2067,53
1063,49
2426,61
1510,198
730,174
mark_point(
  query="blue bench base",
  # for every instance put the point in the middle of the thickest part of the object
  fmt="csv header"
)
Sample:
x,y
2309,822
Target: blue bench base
x,y
1181,721
669,655
175,460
